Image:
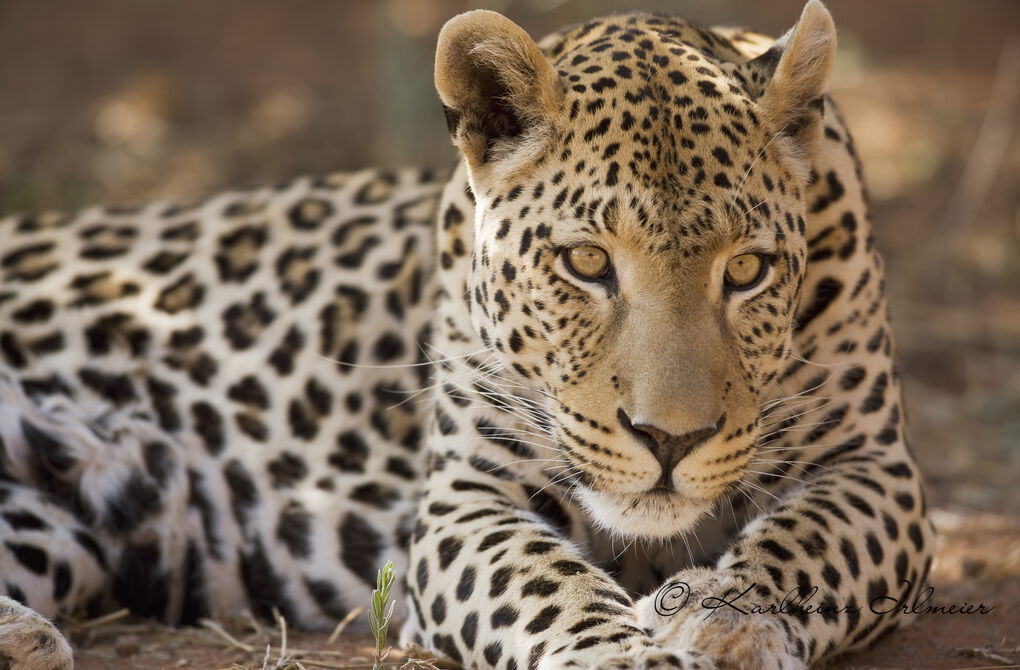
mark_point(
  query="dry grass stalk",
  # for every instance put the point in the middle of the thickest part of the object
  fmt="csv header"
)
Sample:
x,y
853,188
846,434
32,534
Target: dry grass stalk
x,y
100,621
351,616
225,636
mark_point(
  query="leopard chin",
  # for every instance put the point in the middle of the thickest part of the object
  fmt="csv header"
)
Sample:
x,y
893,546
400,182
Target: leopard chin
x,y
660,515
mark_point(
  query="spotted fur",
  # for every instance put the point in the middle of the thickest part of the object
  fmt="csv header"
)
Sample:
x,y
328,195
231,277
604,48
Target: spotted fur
x,y
257,400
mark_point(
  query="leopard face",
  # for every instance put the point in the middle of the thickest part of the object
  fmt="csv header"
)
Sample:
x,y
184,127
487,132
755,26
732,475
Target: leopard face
x,y
638,245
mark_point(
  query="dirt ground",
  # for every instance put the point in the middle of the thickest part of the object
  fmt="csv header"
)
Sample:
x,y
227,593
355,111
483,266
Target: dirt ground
x,y
978,563
120,101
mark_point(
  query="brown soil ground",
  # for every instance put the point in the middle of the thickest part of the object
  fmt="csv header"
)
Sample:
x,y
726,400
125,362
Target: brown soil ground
x,y
978,562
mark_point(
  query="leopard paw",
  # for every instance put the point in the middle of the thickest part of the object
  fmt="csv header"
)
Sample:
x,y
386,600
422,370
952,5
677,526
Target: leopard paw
x,y
629,656
30,642
729,638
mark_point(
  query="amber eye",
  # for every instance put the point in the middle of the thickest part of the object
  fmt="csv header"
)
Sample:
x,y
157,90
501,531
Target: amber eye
x,y
588,262
744,271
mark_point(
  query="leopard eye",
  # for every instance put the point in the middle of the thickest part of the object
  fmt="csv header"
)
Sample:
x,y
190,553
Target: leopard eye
x,y
744,271
587,261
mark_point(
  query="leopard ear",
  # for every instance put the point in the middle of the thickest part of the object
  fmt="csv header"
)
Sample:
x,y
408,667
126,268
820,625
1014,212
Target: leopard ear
x,y
499,91
791,78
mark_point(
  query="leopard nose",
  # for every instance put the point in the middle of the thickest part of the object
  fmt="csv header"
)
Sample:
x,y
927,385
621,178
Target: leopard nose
x,y
668,449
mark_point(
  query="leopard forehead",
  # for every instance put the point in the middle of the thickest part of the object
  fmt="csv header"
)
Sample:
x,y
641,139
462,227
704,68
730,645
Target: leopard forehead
x,y
659,131
657,110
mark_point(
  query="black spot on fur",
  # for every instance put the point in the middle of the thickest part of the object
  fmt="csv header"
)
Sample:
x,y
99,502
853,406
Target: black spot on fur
x,y
351,454
185,293
493,652
137,499
540,586
208,423
852,378
360,547
164,262
286,470
449,549
499,581
543,620
138,583
466,584
196,604
243,492
243,322
826,292
876,395
439,609
249,390
294,529
775,549
37,311
264,587
388,347
282,357
162,397
117,388
504,616
91,547
874,548
32,558
61,580
53,455
495,539
836,192
375,494
159,461
850,555
310,213
326,596
447,645
22,520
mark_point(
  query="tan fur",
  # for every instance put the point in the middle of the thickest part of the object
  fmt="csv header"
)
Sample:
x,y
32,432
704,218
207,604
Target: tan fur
x,y
677,152
482,59
800,79
30,642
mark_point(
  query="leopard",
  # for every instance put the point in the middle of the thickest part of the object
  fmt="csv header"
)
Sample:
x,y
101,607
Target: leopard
x,y
617,392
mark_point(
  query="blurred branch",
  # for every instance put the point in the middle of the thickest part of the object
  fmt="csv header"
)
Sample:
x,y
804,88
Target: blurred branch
x,y
992,142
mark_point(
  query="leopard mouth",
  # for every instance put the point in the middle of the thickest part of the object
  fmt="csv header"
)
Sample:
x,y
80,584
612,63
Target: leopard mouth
x,y
658,513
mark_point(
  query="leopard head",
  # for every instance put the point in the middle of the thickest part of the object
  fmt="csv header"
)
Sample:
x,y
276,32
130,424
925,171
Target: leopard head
x,y
638,239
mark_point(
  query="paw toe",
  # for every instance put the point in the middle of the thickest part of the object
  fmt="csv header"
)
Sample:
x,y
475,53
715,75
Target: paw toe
x,y
30,642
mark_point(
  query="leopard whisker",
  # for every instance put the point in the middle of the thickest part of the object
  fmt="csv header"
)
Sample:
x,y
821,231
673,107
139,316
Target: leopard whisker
x,y
772,474
394,366
801,465
845,364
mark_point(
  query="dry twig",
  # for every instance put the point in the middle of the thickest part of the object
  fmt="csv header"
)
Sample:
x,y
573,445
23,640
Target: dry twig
x,y
227,637
351,616
100,621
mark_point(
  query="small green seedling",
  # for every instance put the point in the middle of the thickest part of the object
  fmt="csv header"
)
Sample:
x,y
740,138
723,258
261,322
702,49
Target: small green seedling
x,y
379,614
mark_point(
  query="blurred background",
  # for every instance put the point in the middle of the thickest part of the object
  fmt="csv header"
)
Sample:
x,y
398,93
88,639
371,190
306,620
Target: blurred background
x,y
120,101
